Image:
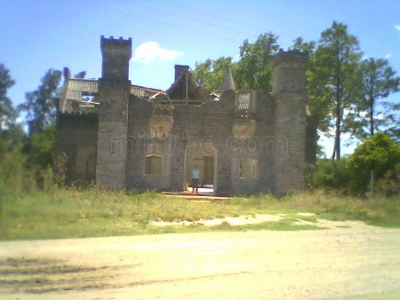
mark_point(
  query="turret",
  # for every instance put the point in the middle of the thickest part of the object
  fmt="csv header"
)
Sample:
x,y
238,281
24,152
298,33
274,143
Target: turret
x,y
227,83
116,55
289,72
114,91
290,95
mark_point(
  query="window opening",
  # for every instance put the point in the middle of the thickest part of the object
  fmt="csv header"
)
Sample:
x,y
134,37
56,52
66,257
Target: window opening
x,y
247,168
153,165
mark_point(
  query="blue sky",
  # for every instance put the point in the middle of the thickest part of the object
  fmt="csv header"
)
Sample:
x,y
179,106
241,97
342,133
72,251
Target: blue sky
x,y
36,36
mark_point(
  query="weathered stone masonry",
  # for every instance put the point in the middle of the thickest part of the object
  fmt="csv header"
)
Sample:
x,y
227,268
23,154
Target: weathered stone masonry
x,y
244,142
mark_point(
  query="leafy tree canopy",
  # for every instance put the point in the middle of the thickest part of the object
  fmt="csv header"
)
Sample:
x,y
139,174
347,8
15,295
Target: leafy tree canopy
x,y
40,104
378,154
334,81
378,82
7,111
211,72
252,71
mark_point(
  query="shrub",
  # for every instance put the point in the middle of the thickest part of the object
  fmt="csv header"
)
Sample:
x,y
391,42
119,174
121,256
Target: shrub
x,y
378,154
389,185
331,174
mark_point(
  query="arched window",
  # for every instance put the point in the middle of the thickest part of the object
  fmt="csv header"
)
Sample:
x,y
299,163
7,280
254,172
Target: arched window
x,y
248,168
153,165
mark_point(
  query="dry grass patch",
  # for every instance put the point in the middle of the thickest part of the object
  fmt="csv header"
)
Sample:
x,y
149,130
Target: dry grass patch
x,y
63,213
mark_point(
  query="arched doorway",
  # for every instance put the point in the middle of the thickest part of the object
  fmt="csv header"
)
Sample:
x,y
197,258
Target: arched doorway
x,y
204,155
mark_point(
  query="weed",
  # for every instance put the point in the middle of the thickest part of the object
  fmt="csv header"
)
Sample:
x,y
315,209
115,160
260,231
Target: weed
x,y
91,212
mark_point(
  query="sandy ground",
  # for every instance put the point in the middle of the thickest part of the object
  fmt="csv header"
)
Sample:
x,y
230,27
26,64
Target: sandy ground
x,y
347,261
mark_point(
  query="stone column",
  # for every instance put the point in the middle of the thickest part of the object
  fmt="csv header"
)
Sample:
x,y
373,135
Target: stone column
x,y
114,92
289,92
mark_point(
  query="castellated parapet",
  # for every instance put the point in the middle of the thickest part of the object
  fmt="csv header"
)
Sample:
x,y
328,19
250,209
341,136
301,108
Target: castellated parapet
x,y
114,92
243,142
289,72
116,55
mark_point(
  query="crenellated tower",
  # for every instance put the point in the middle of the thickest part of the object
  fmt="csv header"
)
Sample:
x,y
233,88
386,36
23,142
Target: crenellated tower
x,y
114,90
290,95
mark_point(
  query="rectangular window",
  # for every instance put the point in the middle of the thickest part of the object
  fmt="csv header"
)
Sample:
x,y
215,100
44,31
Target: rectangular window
x,y
153,165
247,168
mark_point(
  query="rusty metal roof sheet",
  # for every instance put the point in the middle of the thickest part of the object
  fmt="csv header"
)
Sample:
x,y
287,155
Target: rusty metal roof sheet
x,y
74,89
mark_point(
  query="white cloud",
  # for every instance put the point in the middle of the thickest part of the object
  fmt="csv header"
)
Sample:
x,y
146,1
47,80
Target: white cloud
x,y
397,27
387,56
150,51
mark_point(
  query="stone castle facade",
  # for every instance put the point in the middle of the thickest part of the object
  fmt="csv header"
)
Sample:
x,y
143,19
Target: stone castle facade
x,y
244,142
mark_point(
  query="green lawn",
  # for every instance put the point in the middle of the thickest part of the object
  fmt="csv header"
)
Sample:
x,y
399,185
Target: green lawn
x,y
63,213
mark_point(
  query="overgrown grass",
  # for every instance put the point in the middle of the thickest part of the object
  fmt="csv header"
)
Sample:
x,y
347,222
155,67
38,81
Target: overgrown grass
x,y
64,213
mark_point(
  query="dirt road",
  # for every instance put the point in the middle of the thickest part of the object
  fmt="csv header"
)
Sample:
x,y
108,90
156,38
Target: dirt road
x,y
347,261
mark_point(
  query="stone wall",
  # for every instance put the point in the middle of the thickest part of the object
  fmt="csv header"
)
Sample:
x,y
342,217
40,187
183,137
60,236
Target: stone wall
x,y
198,131
289,92
249,142
114,92
76,138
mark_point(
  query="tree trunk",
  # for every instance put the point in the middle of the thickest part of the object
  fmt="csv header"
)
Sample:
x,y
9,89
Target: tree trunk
x,y
334,150
337,131
371,116
338,125
338,104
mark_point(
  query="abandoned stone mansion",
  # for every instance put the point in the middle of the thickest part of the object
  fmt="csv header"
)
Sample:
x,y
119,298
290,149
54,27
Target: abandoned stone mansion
x,y
243,142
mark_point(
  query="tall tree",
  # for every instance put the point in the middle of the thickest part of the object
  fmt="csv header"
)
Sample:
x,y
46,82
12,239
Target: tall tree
x,y
379,81
394,129
334,81
254,70
7,111
300,45
211,72
40,104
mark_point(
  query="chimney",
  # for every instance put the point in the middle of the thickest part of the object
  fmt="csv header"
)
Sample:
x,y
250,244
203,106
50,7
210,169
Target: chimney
x,y
179,70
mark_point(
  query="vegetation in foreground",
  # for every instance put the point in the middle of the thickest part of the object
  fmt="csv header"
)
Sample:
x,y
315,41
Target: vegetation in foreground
x,y
63,213
346,91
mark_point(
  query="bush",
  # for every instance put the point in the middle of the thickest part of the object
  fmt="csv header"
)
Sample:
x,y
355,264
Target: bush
x,y
378,154
389,185
331,174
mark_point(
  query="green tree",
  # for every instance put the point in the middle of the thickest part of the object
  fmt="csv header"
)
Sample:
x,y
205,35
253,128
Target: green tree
x,y
378,154
331,174
334,81
379,81
254,70
40,148
7,111
40,105
300,45
211,72
394,129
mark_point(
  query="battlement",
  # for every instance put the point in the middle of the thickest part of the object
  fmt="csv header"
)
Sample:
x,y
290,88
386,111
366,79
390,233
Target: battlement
x,y
116,55
78,114
112,43
289,58
289,68
248,142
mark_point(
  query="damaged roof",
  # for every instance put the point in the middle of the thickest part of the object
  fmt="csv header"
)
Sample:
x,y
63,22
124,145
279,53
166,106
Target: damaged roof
x,y
75,88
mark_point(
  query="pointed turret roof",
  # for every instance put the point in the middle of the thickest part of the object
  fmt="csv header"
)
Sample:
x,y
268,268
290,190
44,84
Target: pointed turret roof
x,y
227,83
